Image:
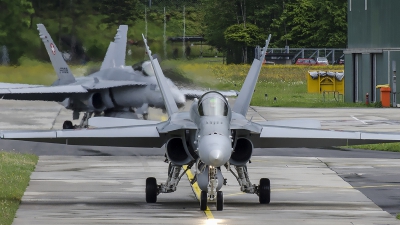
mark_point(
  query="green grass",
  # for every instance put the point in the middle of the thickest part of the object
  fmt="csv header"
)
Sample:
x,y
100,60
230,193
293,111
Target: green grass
x,y
398,216
35,72
285,83
390,147
15,171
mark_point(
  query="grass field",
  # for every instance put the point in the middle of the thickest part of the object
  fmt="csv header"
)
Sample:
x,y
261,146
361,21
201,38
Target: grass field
x,y
15,171
285,83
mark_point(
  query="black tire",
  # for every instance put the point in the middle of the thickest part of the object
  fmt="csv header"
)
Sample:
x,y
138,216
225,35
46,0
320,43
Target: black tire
x,y
151,190
68,125
264,189
220,201
203,200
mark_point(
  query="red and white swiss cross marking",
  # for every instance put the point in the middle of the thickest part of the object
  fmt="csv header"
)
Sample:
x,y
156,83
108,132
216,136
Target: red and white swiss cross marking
x,y
53,49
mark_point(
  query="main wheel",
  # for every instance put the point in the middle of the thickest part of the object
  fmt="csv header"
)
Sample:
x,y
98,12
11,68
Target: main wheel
x,y
264,189
68,125
203,200
220,201
151,190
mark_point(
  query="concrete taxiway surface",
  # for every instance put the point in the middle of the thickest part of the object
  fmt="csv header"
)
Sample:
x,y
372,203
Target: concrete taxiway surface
x,y
309,186
110,190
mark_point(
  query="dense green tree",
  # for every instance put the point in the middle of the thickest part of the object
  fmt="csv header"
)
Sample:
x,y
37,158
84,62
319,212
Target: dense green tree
x,y
15,18
218,16
243,36
224,23
314,23
118,12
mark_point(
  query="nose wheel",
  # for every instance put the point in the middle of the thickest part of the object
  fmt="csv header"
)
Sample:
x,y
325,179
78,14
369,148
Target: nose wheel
x,y
203,200
220,201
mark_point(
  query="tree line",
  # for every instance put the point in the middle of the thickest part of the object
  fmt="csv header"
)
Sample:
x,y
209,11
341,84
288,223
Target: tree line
x,y
231,26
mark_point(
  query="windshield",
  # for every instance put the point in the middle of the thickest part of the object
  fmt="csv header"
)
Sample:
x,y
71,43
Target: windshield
x,y
213,106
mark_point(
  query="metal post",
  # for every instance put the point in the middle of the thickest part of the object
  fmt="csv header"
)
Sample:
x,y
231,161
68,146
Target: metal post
x,y
145,21
394,102
165,37
184,33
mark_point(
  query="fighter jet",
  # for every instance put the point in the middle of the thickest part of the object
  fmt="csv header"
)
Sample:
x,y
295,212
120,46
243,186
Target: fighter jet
x,y
212,135
114,90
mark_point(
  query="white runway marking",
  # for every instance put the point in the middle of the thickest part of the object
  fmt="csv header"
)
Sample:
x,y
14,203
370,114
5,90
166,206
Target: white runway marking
x,y
362,121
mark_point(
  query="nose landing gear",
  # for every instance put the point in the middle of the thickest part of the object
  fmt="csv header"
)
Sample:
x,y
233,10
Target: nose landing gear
x,y
210,181
204,200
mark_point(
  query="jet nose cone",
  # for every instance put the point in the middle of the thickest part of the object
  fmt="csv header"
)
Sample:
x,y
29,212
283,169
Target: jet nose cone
x,y
216,158
214,150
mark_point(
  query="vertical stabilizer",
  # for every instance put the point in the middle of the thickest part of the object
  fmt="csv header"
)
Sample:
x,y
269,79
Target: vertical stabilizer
x,y
242,102
120,40
60,66
169,101
108,61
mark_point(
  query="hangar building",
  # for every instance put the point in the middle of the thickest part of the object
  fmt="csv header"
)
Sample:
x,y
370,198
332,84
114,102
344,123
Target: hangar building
x,y
373,43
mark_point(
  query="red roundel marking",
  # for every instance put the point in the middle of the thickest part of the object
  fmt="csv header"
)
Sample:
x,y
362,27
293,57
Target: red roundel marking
x,y
53,49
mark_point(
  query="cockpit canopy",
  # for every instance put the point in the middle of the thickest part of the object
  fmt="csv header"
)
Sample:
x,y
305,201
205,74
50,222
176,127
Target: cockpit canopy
x,y
213,104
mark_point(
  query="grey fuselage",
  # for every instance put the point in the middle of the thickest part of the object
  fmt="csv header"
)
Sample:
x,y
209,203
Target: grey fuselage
x,y
213,139
120,97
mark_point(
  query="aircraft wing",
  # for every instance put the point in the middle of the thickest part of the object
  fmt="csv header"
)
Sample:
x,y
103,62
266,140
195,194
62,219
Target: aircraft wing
x,y
137,136
118,122
191,94
295,137
59,93
17,85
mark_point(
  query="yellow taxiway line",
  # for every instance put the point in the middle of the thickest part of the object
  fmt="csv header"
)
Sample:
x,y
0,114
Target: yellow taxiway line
x,y
197,191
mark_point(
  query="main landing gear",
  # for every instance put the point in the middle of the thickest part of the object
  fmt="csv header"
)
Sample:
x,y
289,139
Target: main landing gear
x,y
210,181
83,124
174,176
263,190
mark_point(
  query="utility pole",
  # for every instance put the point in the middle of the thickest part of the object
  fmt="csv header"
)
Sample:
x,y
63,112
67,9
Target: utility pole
x,y
145,22
394,101
184,32
165,37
